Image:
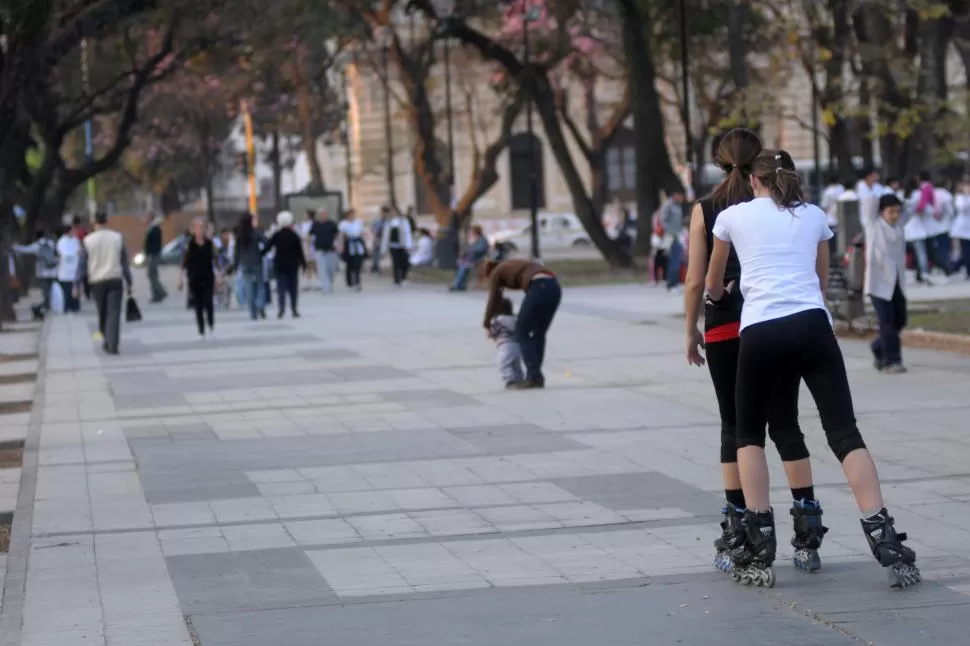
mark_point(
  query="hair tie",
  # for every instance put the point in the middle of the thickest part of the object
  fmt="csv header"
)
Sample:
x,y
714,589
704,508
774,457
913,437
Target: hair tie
x,y
728,167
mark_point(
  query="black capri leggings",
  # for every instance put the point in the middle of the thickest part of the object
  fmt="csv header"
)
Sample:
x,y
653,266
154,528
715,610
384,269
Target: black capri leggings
x,y
782,415
803,344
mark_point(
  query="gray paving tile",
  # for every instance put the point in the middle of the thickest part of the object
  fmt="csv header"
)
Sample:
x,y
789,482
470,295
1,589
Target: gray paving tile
x,y
642,491
134,347
247,581
519,438
688,613
370,373
300,452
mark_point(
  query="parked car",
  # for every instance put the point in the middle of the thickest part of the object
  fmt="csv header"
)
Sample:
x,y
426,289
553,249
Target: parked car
x,y
556,231
171,253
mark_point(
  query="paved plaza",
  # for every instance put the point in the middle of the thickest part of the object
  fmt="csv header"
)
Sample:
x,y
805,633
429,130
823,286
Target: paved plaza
x,y
360,477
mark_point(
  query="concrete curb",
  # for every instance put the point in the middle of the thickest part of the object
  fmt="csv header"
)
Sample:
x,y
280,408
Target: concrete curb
x,y
15,579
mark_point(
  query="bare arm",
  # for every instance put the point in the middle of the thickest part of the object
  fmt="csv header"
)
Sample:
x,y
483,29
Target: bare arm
x,y
822,264
715,271
696,266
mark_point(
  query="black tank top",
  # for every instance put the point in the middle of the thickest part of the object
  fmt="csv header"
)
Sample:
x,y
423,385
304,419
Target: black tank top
x,y
733,269
729,311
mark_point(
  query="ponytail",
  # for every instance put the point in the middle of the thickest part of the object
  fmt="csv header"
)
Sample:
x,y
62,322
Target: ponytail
x,y
775,169
735,153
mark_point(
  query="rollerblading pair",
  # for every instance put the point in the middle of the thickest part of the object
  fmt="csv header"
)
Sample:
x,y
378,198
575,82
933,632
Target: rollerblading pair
x,y
807,539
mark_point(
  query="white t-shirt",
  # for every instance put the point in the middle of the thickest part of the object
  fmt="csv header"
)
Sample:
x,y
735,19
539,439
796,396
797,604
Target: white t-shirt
x,y
830,202
69,258
777,249
960,227
353,232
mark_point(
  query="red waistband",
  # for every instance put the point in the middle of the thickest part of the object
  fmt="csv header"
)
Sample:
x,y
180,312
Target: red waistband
x,y
725,332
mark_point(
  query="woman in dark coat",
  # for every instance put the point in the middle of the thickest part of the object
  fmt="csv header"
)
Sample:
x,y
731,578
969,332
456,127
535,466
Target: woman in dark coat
x,y
198,264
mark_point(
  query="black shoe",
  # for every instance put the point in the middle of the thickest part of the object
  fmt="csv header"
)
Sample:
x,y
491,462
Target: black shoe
x,y
512,385
296,315
262,314
280,315
530,384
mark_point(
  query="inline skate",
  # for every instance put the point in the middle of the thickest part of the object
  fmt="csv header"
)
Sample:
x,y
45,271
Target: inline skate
x,y
809,532
731,538
887,546
753,560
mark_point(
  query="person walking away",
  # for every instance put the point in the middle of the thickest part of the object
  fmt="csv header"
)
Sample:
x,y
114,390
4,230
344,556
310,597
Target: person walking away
x,y
884,279
353,249
423,255
509,350
288,261
45,268
830,204
940,226
474,254
867,190
960,227
69,252
105,264
660,243
542,297
397,242
915,231
153,256
672,221
248,262
782,246
409,215
377,238
323,237
198,263
735,153
312,269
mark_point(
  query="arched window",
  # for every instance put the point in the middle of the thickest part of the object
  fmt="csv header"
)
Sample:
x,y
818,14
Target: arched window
x,y
621,166
421,202
522,165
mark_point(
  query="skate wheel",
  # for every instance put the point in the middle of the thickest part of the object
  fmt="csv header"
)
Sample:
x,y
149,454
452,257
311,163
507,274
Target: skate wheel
x,y
767,579
807,560
903,575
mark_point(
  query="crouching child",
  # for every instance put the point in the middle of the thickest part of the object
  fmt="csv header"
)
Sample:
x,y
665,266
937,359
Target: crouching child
x,y
502,331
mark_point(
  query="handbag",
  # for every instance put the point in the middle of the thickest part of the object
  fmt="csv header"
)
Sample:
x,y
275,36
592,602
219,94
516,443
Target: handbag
x,y
132,311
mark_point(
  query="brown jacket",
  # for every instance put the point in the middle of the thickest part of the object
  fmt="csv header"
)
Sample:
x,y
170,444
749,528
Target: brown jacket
x,y
509,274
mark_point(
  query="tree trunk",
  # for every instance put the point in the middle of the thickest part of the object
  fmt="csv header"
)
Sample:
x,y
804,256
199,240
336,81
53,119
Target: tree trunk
x,y
544,98
738,63
275,160
303,103
832,95
654,170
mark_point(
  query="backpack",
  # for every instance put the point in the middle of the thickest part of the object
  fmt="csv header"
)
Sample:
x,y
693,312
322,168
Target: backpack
x,y
47,255
395,236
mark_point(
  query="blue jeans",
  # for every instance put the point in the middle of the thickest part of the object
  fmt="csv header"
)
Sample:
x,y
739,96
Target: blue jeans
x,y
887,348
535,316
253,289
964,257
461,278
287,283
674,259
940,252
922,261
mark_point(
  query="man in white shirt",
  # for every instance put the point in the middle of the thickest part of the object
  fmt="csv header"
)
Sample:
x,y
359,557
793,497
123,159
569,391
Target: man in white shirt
x,y
106,266
867,189
397,241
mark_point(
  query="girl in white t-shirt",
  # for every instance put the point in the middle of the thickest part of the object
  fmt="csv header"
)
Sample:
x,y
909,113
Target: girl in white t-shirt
x,y
782,245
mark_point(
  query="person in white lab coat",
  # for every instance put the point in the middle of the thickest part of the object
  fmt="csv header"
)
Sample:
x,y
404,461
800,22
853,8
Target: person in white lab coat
x,y
68,261
914,231
960,226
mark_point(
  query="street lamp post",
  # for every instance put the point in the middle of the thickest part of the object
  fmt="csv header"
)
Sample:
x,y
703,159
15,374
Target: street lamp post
x,y
388,136
685,83
530,15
